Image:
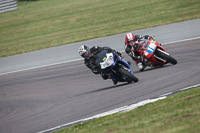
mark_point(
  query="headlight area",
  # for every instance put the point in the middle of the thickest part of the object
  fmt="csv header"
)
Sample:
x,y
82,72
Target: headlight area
x,y
107,63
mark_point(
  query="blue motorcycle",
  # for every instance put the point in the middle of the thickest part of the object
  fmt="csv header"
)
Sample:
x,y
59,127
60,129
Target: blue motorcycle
x,y
116,67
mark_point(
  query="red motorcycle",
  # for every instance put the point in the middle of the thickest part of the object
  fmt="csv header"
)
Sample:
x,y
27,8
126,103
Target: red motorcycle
x,y
153,54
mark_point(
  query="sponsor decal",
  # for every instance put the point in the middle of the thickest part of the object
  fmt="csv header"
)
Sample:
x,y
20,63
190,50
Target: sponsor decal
x,y
104,58
151,48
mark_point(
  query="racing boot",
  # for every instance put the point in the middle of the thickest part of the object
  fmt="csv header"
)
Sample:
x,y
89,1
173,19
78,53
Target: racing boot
x,y
114,81
129,62
140,66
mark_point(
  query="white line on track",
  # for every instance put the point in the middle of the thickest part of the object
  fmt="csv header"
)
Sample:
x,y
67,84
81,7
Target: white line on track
x,y
121,109
183,40
81,59
40,66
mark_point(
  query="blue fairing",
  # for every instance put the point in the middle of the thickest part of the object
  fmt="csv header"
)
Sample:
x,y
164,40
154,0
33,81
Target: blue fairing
x,y
113,69
122,61
125,63
119,59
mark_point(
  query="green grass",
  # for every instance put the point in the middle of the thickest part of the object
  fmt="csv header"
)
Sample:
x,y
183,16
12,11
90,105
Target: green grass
x,y
179,113
46,23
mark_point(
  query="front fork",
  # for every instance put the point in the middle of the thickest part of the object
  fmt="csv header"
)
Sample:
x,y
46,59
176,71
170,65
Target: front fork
x,y
115,76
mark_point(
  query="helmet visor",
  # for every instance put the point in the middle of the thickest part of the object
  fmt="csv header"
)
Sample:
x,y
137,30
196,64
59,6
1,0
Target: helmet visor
x,y
132,43
86,54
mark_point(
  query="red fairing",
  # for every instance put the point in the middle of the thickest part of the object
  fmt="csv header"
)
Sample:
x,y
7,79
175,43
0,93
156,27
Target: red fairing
x,y
148,51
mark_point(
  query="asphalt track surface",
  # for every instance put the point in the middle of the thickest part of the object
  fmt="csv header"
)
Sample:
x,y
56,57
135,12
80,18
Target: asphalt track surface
x,y
43,98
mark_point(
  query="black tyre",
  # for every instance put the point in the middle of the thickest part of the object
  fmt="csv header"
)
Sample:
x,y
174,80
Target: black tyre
x,y
168,58
127,74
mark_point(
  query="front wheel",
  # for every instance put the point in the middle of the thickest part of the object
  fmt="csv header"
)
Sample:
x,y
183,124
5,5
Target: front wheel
x,y
127,74
167,57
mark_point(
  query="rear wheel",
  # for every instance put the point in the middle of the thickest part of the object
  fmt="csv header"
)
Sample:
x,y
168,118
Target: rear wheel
x,y
127,74
167,57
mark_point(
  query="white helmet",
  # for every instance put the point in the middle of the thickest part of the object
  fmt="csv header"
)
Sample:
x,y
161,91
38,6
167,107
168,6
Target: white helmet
x,y
84,51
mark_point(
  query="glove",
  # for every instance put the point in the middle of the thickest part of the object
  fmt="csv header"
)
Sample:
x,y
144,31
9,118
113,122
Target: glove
x,y
139,37
153,38
95,71
139,58
131,54
149,37
119,53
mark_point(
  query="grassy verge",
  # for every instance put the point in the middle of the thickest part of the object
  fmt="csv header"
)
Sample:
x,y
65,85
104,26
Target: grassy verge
x,y
46,23
179,113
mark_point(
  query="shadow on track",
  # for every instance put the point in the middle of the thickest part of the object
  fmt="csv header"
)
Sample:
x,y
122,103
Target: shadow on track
x,y
106,88
123,84
153,68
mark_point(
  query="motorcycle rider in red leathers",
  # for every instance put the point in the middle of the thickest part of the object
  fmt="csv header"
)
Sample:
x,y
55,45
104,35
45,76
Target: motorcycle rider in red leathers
x,y
132,46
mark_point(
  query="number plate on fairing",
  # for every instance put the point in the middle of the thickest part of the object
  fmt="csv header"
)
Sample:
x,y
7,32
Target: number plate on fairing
x,y
151,48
